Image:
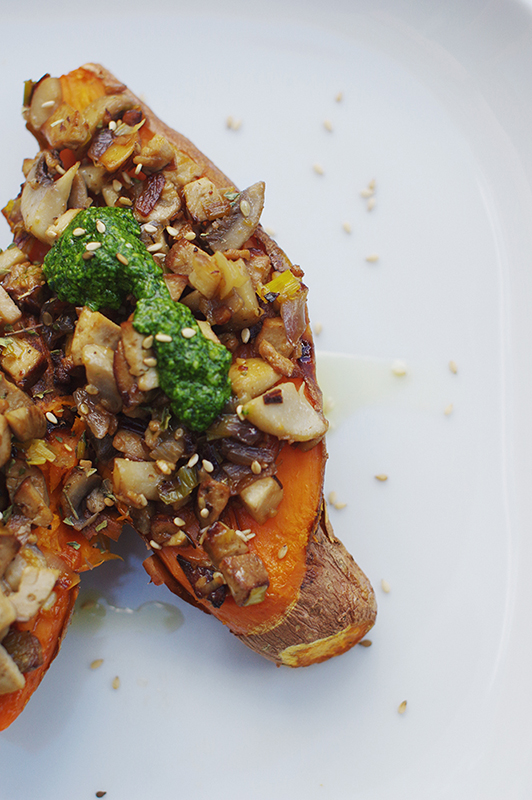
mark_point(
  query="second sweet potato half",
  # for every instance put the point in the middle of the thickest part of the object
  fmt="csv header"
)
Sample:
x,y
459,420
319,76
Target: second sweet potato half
x,y
164,337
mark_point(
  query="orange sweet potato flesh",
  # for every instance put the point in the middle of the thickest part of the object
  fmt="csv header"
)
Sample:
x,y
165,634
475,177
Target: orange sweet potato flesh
x,y
319,603
49,627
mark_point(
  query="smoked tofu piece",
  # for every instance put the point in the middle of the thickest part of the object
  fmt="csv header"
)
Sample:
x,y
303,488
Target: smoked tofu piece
x,y
9,311
22,362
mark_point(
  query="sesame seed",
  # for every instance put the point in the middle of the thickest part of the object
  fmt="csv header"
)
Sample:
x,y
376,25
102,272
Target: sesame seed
x,y
332,498
366,192
51,417
163,337
318,169
166,467
112,125
371,204
327,124
318,327
87,255
90,247
232,123
245,335
147,342
193,460
249,535
339,506
347,227
68,448
339,97
366,643
256,468
48,104
47,318
84,408
239,410
208,466
100,226
179,521
56,123
172,231
126,178
282,551
96,663
154,545
154,247
381,477
402,707
117,186
60,169
453,367
449,410
372,184
372,258
108,501
78,231
138,169
204,513
399,368
188,333
125,201
123,260
116,682
385,586
150,361
149,227
245,208
189,236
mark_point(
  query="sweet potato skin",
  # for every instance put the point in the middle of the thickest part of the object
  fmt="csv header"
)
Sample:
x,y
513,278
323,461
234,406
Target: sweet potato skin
x,y
334,605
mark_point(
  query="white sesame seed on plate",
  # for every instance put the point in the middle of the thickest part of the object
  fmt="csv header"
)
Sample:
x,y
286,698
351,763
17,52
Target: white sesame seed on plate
x,y
347,227
372,258
188,333
327,124
453,367
448,410
96,663
318,327
339,97
399,368
116,683
318,169
381,477
385,586
371,204
402,707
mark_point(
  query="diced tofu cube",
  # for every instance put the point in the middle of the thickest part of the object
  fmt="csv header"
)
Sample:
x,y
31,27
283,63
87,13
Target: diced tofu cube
x,y
93,328
9,311
262,498
99,367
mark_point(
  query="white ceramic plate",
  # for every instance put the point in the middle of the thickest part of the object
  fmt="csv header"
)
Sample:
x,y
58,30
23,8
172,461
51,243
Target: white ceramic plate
x,y
437,108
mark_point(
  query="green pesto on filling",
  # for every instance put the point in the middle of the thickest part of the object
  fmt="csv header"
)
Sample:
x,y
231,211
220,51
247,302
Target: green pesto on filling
x,y
193,371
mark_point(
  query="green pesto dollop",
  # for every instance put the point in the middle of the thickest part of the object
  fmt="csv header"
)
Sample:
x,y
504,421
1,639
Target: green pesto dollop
x,y
193,370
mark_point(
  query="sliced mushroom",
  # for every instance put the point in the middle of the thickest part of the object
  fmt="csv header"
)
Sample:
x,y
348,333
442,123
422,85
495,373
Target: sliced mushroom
x,y
46,97
24,648
251,376
232,231
78,486
11,678
9,547
5,441
44,200
98,362
243,571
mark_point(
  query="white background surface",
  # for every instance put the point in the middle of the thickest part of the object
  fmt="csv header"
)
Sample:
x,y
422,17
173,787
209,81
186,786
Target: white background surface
x,y
437,107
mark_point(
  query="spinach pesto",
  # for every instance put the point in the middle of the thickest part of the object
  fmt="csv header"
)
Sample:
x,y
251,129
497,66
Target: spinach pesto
x,y
99,260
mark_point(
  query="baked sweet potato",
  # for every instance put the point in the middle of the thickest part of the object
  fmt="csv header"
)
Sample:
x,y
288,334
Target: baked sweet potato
x,y
159,369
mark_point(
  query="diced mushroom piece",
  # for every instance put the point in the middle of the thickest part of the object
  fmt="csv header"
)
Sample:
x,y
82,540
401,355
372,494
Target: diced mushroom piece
x,y
30,498
262,498
285,412
176,285
221,541
44,200
163,531
186,169
11,678
236,290
23,362
24,648
66,128
9,311
7,614
136,479
233,231
94,177
274,332
9,547
131,444
126,383
213,495
250,377
26,422
77,487
155,154
5,441
202,269
46,97
93,328
35,587
110,105
205,201
98,362
10,257
246,578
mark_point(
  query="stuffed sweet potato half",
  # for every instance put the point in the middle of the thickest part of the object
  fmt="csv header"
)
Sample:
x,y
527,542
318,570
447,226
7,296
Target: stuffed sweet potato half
x,y
171,367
